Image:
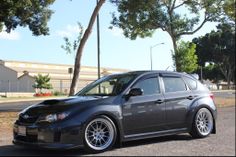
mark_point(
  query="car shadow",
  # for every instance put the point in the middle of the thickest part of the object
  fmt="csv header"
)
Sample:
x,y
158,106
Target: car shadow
x,y
12,150
180,137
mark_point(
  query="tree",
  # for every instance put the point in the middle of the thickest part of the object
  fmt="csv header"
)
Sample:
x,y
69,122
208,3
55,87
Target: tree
x,y
142,17
42,82
81,46
203,51
185,56
229,9
71,47
213,73
220,47
32,13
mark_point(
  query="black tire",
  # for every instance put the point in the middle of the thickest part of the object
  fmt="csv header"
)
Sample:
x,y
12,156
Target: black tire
x,y
202,125
99,134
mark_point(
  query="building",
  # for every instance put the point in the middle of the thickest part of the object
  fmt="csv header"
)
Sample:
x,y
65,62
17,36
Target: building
x,y
18,76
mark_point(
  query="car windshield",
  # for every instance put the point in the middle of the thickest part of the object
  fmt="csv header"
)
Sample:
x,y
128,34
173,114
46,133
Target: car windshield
x,y
108,86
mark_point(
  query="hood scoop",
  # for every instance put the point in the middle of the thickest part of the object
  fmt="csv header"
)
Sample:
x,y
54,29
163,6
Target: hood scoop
x,y
52,102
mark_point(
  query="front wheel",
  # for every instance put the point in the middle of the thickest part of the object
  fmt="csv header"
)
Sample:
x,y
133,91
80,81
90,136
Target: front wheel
x,y
203,124
99,134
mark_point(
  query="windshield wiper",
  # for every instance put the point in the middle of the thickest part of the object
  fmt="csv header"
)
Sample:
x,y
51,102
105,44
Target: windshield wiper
x,y
96,94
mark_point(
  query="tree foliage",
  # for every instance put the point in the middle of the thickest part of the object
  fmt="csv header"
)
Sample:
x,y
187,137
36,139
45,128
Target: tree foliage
x,y
140,18
186,57
218,47
71,47
32,13
212,72
42,82
229,9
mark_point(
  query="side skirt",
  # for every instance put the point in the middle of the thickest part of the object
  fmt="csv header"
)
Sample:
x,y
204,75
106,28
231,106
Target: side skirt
x,y
154,134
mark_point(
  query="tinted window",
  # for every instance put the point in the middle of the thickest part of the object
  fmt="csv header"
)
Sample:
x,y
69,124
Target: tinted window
x,y
174,84
108,86
191,83
149,86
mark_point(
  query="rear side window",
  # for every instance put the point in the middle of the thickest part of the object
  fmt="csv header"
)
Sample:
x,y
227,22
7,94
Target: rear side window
x,y
191,83
149,86
174,84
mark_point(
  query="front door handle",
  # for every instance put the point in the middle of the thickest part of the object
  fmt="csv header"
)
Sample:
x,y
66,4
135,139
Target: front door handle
x,y
159,101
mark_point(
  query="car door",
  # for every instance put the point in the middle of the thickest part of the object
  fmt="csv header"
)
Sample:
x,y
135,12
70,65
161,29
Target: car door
x,y
178,97
144,113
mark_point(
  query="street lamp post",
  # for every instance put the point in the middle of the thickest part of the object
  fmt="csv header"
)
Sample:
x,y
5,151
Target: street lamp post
x,y
151,47
98,44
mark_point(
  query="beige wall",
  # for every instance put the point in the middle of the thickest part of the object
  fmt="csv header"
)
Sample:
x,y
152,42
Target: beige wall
x,y
60,78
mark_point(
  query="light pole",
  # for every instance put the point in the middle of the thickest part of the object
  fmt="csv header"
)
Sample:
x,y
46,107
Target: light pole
x,y
98,44
151,47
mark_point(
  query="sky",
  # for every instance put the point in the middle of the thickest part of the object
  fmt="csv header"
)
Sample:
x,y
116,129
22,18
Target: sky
x,y
116,50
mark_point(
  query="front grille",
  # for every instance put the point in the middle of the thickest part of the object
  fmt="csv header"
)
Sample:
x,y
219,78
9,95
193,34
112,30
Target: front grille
x,y
31,135
28,119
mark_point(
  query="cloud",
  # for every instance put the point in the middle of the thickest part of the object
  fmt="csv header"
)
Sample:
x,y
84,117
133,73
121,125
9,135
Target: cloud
x,y
13,35
69,31
116,31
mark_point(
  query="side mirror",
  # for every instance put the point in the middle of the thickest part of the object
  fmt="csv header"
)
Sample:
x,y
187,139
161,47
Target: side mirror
x,y
135,92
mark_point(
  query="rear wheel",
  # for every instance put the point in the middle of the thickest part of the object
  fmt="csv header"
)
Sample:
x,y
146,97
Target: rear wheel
x,y
203,124
100,134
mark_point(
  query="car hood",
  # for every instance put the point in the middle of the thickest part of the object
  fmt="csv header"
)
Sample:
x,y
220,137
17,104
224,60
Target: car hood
x,y
60,105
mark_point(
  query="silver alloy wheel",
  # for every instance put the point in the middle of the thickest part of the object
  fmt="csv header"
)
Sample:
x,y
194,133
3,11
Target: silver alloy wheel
x,y
99,134
204,122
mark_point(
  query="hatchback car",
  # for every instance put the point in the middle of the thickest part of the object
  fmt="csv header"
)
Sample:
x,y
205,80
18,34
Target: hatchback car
x,y
118,108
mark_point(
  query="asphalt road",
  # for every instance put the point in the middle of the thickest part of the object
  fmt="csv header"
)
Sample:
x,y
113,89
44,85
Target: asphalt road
x,y
220,144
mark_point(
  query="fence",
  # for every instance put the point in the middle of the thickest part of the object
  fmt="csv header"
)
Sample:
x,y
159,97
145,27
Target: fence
x,y
62,86
16,86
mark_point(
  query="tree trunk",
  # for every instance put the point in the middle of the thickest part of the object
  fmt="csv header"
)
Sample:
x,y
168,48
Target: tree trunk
x,y
81,47
227,72
174,41
228,80
228,83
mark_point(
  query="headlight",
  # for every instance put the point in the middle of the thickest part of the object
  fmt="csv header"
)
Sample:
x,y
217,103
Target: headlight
x,y
54,117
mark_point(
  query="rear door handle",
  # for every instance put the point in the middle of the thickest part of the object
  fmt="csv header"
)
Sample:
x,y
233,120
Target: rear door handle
x,y
159,101
190,97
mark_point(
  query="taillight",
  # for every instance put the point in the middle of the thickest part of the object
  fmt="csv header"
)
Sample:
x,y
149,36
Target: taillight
x,y
212,96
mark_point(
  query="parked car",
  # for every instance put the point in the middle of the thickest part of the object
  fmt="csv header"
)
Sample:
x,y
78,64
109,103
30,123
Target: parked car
x,y
119,108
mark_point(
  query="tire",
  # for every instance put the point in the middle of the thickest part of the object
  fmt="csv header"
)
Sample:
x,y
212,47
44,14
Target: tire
x,y
202,124
99,134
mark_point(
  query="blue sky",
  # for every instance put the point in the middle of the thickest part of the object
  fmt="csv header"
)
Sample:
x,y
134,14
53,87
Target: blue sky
x,y
116,50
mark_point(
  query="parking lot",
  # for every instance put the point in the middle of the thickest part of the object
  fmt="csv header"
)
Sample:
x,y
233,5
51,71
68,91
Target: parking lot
x,y
222,143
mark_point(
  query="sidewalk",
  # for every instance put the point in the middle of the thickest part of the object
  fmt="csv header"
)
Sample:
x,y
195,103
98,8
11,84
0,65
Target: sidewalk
x,y
9,100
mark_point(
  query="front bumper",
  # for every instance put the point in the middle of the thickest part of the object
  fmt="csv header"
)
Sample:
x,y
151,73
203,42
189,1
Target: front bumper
x,y
48,137
46,145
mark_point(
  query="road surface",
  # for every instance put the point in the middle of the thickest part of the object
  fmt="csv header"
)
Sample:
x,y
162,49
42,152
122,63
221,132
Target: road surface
x,y
220,144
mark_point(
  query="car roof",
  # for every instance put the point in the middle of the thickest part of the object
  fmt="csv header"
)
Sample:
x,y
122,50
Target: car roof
x,y
145,72
151,72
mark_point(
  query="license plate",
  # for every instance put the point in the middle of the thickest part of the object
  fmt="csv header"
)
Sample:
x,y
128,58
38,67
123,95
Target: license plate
x,y
22,130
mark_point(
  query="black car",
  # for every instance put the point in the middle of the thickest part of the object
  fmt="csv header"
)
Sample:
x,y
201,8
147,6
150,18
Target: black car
x,y
118,108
